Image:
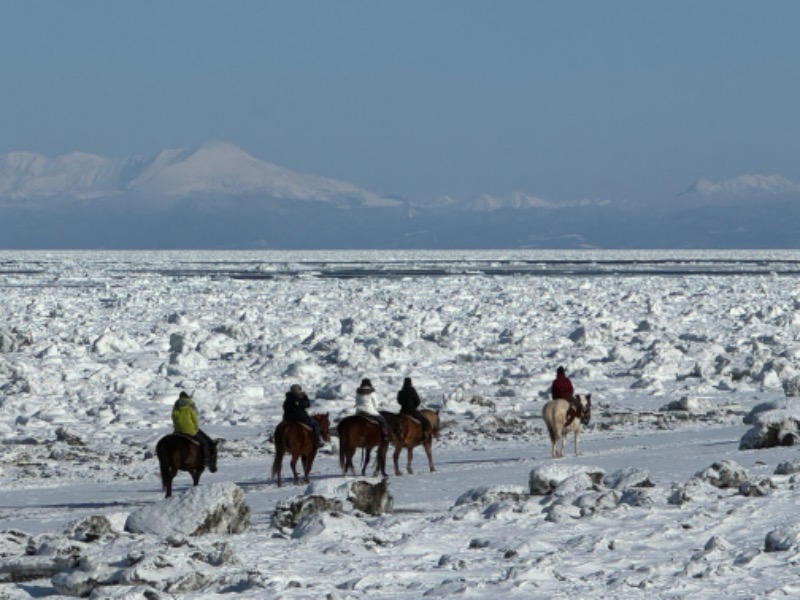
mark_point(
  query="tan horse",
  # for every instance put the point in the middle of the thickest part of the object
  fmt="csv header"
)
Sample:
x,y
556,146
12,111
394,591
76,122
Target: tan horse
x,y
406,432
298,440
177,452
358,431
565,416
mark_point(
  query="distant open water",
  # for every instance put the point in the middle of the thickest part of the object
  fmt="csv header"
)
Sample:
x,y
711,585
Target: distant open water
x,y
257,265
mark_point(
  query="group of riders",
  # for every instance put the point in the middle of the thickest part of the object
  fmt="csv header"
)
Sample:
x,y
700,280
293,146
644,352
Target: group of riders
x,y
295,408
297,403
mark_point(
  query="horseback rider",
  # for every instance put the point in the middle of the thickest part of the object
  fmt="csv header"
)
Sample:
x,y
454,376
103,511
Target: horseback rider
x,y
294,409
562,386
185,421
409,401
367,403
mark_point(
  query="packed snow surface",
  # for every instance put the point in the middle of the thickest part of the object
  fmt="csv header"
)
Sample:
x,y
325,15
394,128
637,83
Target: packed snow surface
x,y
691,360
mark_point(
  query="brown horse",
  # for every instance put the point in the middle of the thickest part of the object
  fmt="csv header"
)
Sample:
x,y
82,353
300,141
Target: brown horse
x,y
178,452
298,440
358,431
406,432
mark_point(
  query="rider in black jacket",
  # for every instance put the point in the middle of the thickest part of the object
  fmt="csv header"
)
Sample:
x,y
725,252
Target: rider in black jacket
x,y
409,401
294,409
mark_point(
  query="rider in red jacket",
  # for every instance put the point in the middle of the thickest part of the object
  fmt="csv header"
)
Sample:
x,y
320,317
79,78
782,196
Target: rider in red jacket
x,y
562,386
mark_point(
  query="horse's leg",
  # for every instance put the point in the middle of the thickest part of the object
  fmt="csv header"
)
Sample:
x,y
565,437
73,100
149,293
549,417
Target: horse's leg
x,y
169,476
577,433
293,464
277,467
397,450
195,473
429,452
377,468
382,451
367,453
308,460
410,456
168,473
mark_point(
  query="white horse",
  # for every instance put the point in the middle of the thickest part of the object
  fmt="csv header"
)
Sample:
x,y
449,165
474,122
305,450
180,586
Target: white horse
x,y
564,416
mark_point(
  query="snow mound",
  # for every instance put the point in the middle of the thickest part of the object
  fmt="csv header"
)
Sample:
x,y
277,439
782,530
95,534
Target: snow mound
x,y
629,477
724,474
334,526
771,428
218,508
546,479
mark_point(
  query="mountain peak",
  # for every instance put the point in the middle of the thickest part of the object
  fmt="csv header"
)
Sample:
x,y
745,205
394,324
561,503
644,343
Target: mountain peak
x,y
217,167
745,186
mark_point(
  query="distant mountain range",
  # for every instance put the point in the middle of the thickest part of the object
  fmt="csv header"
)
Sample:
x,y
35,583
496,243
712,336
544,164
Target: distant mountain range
x,y
219,196
217,168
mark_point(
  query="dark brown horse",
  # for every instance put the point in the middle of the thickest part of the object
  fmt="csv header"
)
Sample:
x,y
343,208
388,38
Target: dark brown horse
x,y
358,431
406,432
178,452
298,440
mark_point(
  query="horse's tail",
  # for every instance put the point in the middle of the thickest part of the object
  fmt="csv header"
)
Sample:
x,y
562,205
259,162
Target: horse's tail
x,y
163,462
548,413
279,439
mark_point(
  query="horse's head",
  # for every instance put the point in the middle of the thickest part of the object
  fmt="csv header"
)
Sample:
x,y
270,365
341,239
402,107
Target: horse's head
x,y
433,418
585,401
324,426
212,455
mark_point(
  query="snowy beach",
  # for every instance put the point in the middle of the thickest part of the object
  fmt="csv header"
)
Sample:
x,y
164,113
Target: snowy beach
x,y
664,501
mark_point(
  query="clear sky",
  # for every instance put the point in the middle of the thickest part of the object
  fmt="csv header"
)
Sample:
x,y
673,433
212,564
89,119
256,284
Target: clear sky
x,y
560,99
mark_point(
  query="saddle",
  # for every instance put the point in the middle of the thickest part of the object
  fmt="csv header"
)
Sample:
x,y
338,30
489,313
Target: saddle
x,y
413,419
370,418
186,436
306,426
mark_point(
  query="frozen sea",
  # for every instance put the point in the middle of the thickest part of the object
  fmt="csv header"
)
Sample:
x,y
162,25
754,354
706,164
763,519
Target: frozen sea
x,y
679,350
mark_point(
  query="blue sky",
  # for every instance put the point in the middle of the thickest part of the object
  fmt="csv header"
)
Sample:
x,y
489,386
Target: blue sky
x,y
566,100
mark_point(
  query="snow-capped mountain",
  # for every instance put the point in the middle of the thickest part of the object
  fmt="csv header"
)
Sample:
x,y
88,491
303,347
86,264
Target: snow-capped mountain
x,y
219,196
216,168
518,200
744,186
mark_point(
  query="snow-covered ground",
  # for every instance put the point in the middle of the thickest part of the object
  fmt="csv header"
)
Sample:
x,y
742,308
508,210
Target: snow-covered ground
x,y
676,349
